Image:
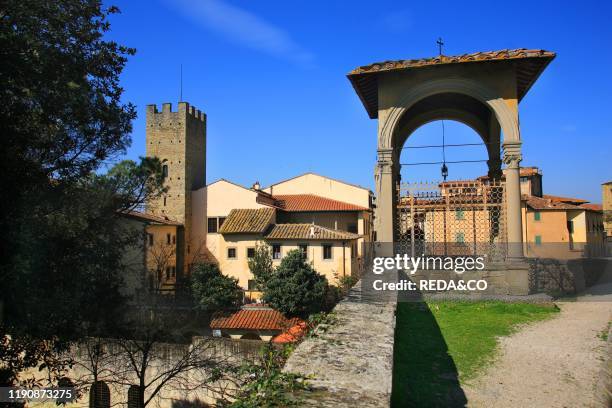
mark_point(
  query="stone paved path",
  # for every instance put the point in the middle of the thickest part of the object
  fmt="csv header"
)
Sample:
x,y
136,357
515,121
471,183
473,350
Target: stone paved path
x,y
554,363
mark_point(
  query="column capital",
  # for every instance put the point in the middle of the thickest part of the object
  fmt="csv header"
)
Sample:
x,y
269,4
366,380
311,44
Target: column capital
x,y
512,154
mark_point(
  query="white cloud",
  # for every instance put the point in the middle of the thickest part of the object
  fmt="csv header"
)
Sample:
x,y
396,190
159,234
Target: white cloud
x,y
244,27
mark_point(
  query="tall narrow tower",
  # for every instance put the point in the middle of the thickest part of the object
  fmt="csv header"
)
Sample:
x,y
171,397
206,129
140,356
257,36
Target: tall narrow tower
x,y
179,140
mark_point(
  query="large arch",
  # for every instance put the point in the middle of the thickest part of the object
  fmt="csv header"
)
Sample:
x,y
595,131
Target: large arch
x,y
465,100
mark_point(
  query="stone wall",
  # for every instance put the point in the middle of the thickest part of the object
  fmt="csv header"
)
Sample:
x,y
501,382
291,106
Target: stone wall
x,y
560,277
350,363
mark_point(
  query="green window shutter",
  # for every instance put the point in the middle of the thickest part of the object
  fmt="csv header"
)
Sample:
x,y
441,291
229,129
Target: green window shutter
x,y
459,214
460,237
538,240
537,216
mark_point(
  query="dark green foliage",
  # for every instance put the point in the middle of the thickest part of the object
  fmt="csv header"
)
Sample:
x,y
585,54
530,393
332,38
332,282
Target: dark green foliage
x,y
261,264
295,288
267,385
212,290
61,120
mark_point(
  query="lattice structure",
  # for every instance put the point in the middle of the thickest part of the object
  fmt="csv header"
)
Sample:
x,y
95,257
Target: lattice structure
x,y
452,218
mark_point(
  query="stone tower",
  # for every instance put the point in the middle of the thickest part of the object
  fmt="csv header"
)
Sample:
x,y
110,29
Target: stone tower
x,y
179,139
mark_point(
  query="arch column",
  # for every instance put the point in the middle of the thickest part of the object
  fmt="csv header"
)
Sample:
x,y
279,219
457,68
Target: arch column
x,y
386,180
512,160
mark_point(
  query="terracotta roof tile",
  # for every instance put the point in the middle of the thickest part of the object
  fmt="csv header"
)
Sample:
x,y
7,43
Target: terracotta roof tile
x,y
155,219
592,207
248,221
308,232
259,318
541,203
567,200
529,64
311,202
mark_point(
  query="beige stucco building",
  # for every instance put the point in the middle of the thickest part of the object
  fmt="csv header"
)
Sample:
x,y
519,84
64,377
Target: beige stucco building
x,y
606,194
329,217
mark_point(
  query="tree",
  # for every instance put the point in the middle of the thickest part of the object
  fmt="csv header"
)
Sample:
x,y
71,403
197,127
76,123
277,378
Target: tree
x,y
212,290
260,264
62,119
295,288
158,357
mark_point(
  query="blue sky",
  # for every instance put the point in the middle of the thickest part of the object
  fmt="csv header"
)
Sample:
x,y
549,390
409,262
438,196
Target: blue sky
x,y
271,77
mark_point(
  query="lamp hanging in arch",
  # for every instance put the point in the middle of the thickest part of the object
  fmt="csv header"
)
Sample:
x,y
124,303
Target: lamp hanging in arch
x,y
444,168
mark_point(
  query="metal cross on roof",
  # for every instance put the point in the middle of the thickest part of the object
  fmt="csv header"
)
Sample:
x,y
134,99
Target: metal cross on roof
x,y
440,44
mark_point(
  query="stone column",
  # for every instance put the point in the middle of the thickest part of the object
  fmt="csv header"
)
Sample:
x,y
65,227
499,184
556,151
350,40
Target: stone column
x,y
385,197
512,159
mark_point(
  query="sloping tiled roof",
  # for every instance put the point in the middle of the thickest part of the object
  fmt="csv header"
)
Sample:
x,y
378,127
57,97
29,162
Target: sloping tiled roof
x,y
311,202
568,200
150,218
592,207
540,203
256,318
308,232
529,65
248,221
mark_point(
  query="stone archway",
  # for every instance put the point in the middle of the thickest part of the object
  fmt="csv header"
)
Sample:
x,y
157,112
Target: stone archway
x,y
395,92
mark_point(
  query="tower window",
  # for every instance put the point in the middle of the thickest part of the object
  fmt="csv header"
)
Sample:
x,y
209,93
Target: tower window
x,y
165,171
150,239
164,201
168,239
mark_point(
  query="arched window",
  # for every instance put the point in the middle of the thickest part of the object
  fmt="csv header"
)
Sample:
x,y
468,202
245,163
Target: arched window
x,y
99,395
165,170
134,400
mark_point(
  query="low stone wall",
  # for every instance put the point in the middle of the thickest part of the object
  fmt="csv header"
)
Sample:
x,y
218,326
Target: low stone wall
x,y
570,276
350,364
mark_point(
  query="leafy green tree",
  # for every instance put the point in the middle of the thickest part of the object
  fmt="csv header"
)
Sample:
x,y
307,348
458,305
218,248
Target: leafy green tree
x,y
62,120
261,264
212,290
295,288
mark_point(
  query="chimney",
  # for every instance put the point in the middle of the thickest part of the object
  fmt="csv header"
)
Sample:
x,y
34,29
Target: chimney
x,y
256,186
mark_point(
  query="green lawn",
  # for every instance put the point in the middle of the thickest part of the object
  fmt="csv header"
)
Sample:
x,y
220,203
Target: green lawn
x,y
439,345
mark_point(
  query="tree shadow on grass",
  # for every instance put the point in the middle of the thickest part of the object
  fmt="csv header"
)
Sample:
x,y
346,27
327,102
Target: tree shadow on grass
x,y
424,374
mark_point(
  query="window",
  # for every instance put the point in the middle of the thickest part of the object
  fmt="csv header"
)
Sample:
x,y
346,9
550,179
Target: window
x,y
212,225
276,251
460,237
150,237
168,239
327,251
459,215
352,227
164,201
174,239
221,221
304,250
231,253
538,240
251,253
252,285
165,171
537,216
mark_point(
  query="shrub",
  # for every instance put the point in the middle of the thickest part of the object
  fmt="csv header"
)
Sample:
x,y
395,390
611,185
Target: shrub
x,y
211,290
295,288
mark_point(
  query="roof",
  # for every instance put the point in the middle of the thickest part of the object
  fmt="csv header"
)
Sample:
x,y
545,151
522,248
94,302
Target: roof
x,y
254,318
248,221
150,218
308,232
312,202
592,207
529,65
568,200
318,175
542,203
291,335
529,171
